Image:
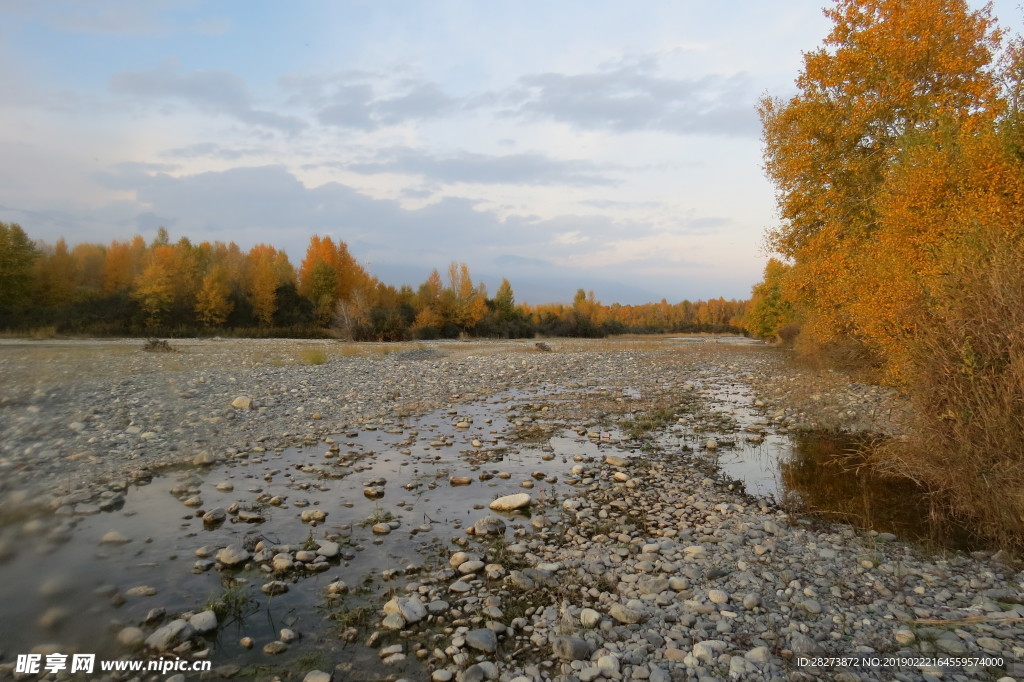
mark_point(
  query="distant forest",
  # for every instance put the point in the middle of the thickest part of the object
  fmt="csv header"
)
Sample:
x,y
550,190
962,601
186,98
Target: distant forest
x,y
178,288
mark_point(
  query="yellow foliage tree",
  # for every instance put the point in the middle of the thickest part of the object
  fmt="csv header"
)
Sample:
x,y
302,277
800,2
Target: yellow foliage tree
x,y
155,286
213,303
890,72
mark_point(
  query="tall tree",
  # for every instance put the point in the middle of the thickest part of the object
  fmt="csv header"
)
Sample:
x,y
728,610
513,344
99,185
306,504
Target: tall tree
x,y
17,254
213,303
55,275
504,301
889,72
122,264
262,281
155,286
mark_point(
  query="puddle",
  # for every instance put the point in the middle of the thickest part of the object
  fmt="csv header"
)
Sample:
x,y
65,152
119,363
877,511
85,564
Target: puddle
x,y
816,473
75,593
824,475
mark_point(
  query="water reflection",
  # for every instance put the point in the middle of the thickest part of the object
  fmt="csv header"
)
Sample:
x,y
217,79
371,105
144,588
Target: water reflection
x,y
826,474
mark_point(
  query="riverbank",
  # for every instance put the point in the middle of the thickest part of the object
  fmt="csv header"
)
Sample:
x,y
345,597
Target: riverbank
x,y
637,560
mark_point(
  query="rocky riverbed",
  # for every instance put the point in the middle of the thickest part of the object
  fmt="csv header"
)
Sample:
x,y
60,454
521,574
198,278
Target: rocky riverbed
x,y
313,510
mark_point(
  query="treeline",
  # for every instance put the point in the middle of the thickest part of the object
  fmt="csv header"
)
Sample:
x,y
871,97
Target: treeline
x,y
166,288
899,168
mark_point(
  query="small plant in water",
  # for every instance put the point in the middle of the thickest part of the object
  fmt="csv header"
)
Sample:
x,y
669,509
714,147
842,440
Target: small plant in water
x,y
233,604
379,516
357,617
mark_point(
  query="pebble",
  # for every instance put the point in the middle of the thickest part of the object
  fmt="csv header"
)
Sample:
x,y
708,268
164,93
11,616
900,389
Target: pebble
x,y
274,648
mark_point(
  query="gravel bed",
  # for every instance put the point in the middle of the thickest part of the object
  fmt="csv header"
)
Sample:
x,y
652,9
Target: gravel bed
x,y
652,568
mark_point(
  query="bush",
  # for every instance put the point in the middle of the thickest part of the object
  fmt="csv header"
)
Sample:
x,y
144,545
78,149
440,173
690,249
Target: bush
x,y
967,388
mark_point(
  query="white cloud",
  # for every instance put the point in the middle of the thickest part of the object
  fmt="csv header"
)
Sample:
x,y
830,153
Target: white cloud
x,y
213,91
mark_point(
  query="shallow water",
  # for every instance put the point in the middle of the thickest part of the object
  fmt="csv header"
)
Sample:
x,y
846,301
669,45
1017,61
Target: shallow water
x,y
83,586
824,473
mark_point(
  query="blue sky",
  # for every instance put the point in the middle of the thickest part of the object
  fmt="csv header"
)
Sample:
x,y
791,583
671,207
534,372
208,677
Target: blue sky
x,y
605,145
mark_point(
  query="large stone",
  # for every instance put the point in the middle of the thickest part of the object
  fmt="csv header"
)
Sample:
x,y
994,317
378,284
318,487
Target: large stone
x,y
204,621
282,562
233,555
131,637
615,461
242,403
393,621
758,655
274,648
170,635
652,585
589,618
800,643
482,639
571,648
708,650
489,525
468,567
904,636
215,516
275,587
204,459
410,608
625,615
511,502
114,538
718,596
317,676
312,515
328,549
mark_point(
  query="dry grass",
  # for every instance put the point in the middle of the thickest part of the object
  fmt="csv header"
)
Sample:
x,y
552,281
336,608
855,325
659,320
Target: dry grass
x,y
967,389
313,356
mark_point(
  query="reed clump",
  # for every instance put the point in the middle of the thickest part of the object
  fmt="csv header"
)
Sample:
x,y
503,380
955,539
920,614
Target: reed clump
x,y
965,440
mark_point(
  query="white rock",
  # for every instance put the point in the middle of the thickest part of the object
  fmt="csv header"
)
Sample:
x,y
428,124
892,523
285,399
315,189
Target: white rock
x,y
511,502
317,676
708,650
232,555
589,618
328,549
411,609
114,538
204,621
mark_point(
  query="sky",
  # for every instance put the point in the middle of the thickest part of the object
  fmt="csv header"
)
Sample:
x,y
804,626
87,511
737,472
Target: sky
x,y
610,146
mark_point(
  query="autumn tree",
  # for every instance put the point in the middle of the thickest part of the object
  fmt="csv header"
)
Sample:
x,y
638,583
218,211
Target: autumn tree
x,y
122,264
261,282
769,309
900,175
890,71
430,315
504,301
155,286
213,303
468,301
344,279
17,254
53,279
89,265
